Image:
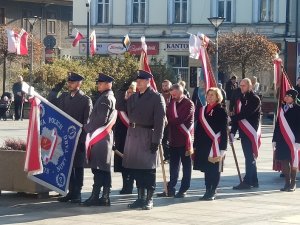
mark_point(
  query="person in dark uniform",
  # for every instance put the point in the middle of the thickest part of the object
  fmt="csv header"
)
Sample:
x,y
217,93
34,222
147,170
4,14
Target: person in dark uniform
x,y
146,113
79,106
211,128
165,87
247,121
19,98
120,132
286,139
99,148
230,86
297,88
180,115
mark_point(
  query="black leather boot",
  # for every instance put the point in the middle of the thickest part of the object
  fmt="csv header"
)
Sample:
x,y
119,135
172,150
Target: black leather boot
x,y
105,200
149,201
212,195
76,198
69,196
127,184
293,180
93,200
140,202
287,175
206,194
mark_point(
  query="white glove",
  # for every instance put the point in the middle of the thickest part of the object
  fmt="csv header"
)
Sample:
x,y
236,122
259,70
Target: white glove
x,y
231,137
274,145
297,146
223,153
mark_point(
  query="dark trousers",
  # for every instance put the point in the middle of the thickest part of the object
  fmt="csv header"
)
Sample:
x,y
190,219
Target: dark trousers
x,y
145,178
165,144
101,178
18,108
250,163
76,180
212,175
177,155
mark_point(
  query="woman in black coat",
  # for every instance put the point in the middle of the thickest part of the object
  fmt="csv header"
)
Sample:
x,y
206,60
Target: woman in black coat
x,y
209,154
120,132
286,139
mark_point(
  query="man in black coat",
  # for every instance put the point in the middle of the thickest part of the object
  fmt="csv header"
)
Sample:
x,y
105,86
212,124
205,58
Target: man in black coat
x,y
247,120
230,86
79,106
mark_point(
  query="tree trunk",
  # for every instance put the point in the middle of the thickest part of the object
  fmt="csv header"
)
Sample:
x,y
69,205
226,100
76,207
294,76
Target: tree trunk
x,y
243,71
4,72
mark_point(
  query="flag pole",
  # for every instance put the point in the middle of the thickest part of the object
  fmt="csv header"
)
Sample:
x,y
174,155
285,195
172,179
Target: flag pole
x,y
234,156
163,169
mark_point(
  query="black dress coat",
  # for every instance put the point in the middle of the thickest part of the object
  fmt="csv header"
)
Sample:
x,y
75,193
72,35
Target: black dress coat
x,y
217,119
79,107
292,116
120,132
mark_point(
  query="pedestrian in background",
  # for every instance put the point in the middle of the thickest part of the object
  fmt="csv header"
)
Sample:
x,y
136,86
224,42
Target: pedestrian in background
x,y
19,98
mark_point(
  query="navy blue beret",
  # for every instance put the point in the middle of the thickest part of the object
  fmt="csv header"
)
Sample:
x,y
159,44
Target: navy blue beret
x,y
141,74
74,76
104,78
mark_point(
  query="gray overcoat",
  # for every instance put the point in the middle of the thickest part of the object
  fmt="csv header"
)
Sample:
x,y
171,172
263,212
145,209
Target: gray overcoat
x,y
102,113
146,110
79,107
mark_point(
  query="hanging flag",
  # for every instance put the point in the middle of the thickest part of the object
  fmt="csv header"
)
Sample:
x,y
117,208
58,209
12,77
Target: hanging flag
x,y
51,144
126,42
144,65
93,43
33,161
77,38
277,71
11,41
22,47
194,46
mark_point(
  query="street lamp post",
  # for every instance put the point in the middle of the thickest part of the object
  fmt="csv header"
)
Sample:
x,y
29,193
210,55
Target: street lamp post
x,y
88,7
31,21
216,22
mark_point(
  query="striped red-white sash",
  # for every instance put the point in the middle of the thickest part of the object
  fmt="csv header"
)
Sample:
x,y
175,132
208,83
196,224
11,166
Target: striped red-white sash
x,y
187,132
99,135
214,151
124,118
253,135
289,137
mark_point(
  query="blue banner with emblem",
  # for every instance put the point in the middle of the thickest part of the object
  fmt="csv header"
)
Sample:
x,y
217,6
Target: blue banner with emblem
x,y
58,134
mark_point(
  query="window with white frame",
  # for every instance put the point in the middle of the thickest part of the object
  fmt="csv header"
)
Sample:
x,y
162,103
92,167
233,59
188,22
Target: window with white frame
x,y
139,11
266,10
103,11
181,11
225,9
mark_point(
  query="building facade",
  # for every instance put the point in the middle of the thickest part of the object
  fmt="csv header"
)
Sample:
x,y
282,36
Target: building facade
x,y
166,24
52,27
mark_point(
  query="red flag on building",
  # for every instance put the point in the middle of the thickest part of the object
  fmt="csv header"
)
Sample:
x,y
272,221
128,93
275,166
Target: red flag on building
x,y
22,47
144,65
33,161
77,38
93,43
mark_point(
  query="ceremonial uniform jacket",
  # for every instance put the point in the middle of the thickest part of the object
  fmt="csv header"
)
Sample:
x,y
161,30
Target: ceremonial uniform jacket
x,y
217,120
146,110
79,107
101,115
250,110
292,116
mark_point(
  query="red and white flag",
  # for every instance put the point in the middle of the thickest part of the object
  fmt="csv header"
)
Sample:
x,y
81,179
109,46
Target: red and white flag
x,y
144,65
33,161
17,43
78,37
93,43
22,47
197,48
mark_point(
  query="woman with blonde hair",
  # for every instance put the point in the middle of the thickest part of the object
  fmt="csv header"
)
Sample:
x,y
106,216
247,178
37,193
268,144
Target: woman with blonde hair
x,y
211,141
